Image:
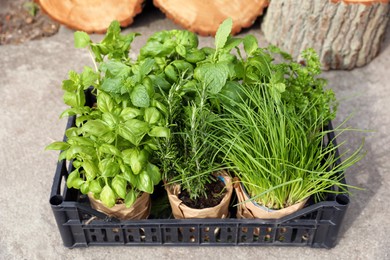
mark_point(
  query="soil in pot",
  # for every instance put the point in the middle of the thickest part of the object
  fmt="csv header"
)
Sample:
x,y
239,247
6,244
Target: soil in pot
x,y
215,192
215,206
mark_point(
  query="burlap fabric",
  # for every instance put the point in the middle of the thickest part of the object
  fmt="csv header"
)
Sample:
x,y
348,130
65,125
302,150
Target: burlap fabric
x,y
139,210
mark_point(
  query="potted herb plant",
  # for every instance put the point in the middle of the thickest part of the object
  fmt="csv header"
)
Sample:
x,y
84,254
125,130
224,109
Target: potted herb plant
x,y
274,137
111,144
196,185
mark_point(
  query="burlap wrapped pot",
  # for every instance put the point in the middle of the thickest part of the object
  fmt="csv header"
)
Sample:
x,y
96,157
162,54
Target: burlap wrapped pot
x,y
139,210
181,211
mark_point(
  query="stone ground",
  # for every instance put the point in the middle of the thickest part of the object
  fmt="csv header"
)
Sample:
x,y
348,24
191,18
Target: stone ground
x,y
31,101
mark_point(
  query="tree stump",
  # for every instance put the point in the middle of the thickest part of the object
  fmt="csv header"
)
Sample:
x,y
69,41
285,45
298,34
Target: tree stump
x,y
91,15
345,33
205,16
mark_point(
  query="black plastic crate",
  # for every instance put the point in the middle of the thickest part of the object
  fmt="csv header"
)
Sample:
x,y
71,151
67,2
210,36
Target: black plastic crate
x,y
316,225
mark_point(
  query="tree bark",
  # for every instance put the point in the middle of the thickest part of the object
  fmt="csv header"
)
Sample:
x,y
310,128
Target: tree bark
x,y
345,34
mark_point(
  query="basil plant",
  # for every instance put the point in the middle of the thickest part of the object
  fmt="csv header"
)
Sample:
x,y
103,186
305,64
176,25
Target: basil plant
x,y
112,143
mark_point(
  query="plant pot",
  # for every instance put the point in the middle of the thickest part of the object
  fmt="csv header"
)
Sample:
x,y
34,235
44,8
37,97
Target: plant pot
x,y
139,210
251,209
182,211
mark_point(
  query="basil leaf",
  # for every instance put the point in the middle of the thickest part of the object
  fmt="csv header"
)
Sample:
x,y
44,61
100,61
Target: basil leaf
x,y
104,102
90,170
119,186
108,167
130,113
95,127
135,158
133,130
57,146
154,173
110,149
95,187
74,180
152,115
107,196
131,197
145,183
84,188
160,131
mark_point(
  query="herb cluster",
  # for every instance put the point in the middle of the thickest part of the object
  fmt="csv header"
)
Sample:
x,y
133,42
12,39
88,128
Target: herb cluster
x,y
180,113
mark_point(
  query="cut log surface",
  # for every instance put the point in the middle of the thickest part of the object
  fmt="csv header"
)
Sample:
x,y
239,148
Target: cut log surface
x,y
92,15
345,33
205,16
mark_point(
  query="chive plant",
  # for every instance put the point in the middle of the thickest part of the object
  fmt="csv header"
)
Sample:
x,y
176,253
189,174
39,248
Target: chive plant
x,y
279,159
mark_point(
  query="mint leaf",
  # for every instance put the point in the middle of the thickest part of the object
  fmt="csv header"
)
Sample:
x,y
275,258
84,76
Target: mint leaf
x,y
81,39
250,44
112,85
214,76
223,33
139,96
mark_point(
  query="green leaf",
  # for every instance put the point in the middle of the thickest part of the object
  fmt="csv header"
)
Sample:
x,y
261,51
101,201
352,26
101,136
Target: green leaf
x,y
133,130
160,131
80,140
110,119
91,170
57,146
152,115
231,43
145,182
112,85
79,150
109,168
95,127
70,98
154,173
128,174
81,39
139,96
146,67
223,33
130,113
84,188
250,44
88,77
104,102
136,159
116,69
214,76
69,85
181,50
107,196
95,187
74,180
110,149
119,186
131,197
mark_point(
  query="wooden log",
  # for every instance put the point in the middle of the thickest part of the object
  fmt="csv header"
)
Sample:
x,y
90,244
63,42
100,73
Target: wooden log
x,y
345,33
205,16
92,15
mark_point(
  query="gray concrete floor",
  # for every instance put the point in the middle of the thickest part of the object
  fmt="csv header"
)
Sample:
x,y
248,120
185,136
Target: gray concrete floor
x,y
31,101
